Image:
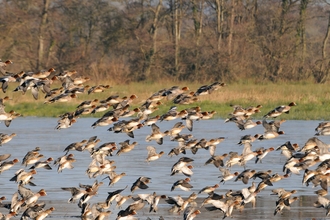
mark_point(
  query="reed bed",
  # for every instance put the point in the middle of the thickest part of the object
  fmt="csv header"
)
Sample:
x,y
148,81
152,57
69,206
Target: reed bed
x,y
313,100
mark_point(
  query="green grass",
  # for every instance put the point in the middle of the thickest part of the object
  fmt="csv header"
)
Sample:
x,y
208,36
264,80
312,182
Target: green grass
x,y
313,101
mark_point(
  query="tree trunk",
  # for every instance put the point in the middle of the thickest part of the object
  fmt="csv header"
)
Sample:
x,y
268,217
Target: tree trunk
x,y
42,28
322,69
231,27
149,59
219,10
197,9
285,9
325,40
255,8
301,34
177,17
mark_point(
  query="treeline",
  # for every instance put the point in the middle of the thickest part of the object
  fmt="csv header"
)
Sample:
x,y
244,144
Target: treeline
x,y
197,40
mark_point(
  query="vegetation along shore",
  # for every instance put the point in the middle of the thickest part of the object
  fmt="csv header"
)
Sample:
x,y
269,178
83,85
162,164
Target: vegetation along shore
x,y
313,102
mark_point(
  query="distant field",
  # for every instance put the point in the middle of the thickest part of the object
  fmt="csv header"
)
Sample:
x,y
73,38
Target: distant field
x,y
313,100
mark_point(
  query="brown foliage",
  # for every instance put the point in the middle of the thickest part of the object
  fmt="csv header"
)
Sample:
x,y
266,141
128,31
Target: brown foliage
x,y
134,40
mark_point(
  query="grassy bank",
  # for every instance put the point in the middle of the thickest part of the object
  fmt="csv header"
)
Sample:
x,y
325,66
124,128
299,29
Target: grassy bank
x,y
313,101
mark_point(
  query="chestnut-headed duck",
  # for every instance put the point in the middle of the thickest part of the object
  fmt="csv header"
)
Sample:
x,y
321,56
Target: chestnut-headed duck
x,y
126,147
171,114
101,108
91,143
80,80
279,110
288,149
152,154
227,175
185,99
140,183
88,103
181,166
190,213
174,91
64,97
98,88
66,163
247,124
208,89
247,139
156,134
121,200
270,135
152,120
114,177
6,165
129,113
217,161
323,202
23,177
78,146
32,156
208,114
5,138
43,73
6,80
44,213
176,129
43,164
182,184
104,121
263,154
323,131
126,215
33,198
245,175
208,189
76,193
3,65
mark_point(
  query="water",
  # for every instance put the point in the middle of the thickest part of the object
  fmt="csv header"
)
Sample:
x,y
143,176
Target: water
x,y
33,132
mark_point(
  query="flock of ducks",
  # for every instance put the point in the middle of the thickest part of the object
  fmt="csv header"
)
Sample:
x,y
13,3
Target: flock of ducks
x,y
312,159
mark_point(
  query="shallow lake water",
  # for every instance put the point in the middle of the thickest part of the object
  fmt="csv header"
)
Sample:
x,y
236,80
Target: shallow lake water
x,y
33,132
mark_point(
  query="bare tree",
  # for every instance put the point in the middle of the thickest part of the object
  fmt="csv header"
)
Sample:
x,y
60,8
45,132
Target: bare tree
x,y
177,32
301,29
41,38
200,40
321,68
231,26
